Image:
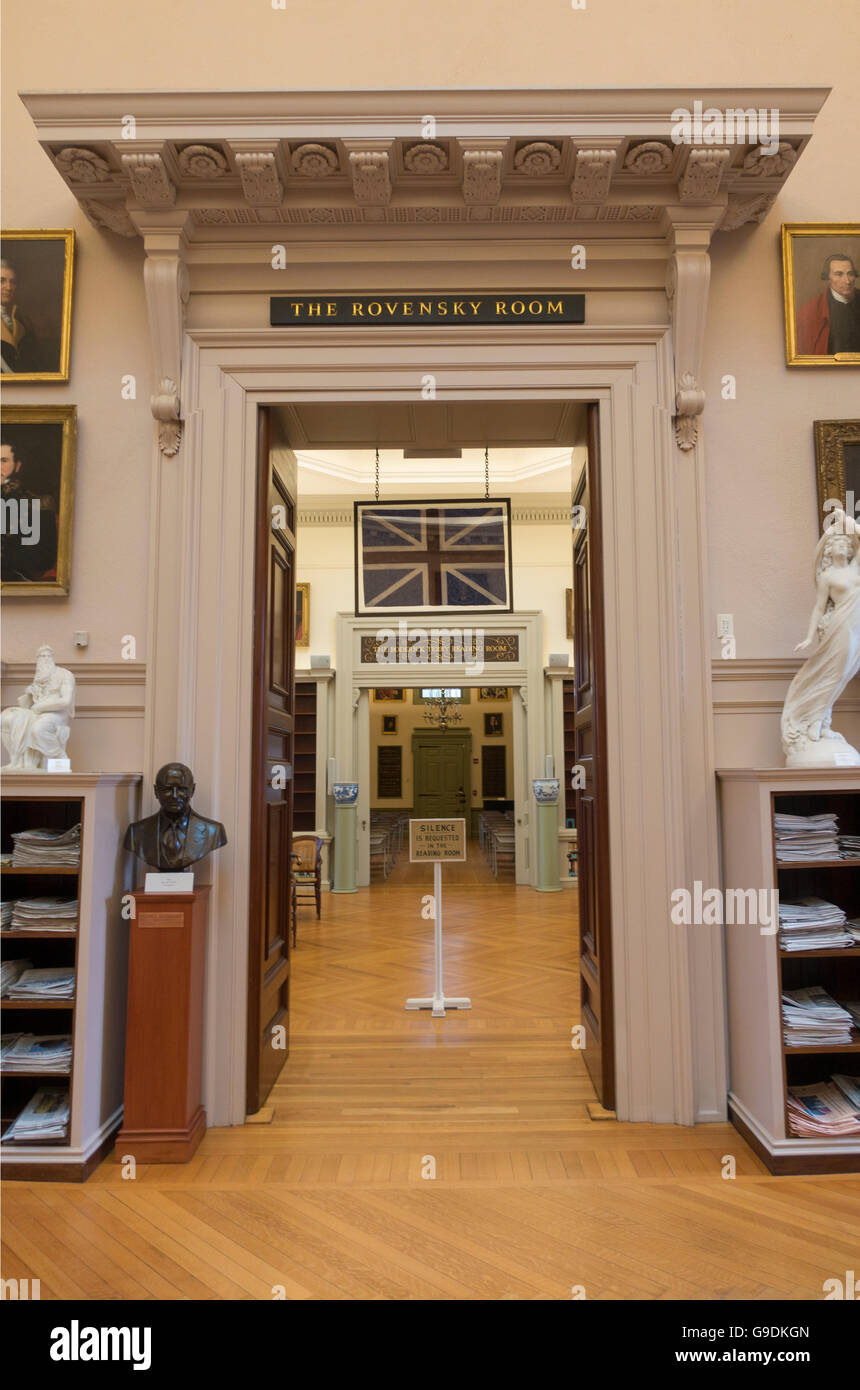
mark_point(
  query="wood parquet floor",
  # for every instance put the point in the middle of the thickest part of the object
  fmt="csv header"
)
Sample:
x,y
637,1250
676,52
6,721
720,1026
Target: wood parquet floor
x,y
333,1198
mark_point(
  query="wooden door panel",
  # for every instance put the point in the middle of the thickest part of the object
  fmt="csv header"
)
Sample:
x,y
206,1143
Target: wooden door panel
x,y
272,766
589,740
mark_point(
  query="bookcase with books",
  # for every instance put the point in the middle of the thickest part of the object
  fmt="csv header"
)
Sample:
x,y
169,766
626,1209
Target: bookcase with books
x,y
793,982
305,757
65,962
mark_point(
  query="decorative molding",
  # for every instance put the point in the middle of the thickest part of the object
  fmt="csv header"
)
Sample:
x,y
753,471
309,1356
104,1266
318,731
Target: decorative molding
x,y
314,161
82,166
258,172
201,162
482,176
356,696
84,672
149,180
592,176
538,159
371,181
740,211
112,216
757,164
759,668
648,158
688,276
525,515
700,181
165,280
425,158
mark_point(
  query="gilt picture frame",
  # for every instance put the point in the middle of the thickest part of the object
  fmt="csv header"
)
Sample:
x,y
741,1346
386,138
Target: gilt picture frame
x,y
36,295
837,467
37,452
820,265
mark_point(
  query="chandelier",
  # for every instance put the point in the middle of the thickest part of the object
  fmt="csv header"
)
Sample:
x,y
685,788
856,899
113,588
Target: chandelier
x,y
441,711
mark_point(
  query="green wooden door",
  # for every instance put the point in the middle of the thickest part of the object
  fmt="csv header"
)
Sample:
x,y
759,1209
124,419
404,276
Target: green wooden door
x,y
441,775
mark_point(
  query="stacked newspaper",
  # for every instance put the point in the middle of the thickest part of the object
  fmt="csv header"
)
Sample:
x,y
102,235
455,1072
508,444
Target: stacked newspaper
x,y
850,846
812,924
853,926
10,971
806,837
55,982
810,1018
6,913
31,1052
45,914
38,848
853,1007
825,1109
45,1116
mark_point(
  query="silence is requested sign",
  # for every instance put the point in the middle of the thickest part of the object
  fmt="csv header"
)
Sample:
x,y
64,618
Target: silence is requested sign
x,y
411,310
432,840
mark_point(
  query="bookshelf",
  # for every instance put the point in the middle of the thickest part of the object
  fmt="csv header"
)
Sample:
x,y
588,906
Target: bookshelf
x,y
569,735
305,757
762,1067
97,951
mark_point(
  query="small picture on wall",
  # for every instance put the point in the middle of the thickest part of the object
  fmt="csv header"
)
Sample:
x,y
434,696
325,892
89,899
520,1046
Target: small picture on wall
x,y
494,692
36,303
389,723
303,615
493,725
386,694
820,261
837,467
37,459
568,614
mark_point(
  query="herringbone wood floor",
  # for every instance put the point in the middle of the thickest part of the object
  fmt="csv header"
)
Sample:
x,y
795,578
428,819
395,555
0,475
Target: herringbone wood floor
x,y
329,1199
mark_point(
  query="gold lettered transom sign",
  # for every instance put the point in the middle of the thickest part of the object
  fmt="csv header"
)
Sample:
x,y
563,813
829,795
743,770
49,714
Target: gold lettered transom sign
x,y
429,646
411,310
432,841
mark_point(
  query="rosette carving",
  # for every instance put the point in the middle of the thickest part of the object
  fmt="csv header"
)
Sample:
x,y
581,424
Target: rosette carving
x,y
82,166
651,157
314,161
425,158
539,159
201,162
758,164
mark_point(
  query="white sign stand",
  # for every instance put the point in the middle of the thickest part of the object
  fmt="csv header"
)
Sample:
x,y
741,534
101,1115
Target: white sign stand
x,y
439,1001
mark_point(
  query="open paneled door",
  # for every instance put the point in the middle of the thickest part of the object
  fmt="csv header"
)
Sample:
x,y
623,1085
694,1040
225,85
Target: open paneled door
x,y
592,821
272,762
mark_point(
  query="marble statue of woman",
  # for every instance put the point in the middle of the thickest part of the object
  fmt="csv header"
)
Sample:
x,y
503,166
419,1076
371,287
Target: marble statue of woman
x,y
807,738
37,728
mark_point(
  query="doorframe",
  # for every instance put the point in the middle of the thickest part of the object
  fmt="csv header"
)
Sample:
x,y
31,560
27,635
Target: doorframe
x,y
531,732
434,738
669,1014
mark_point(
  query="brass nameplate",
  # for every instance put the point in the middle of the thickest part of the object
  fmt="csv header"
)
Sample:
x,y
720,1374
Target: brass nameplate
x,y
413,310
160,919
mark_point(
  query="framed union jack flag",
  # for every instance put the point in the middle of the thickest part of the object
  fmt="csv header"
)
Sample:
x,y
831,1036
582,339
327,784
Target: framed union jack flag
x,y
417,557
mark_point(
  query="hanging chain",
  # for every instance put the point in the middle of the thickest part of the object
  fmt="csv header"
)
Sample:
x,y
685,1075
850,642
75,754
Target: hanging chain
x,y
377,473
487,471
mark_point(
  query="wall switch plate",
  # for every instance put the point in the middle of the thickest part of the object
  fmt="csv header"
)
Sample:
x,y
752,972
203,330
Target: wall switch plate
x,y
725,624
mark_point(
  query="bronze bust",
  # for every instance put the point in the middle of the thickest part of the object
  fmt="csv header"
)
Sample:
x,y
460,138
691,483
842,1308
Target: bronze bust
x,y
175,836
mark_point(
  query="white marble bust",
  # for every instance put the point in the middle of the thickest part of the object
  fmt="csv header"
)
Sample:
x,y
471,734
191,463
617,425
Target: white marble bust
x,y
834,637
37,728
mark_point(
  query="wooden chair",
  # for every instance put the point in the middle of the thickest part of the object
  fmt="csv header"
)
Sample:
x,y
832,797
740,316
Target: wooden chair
x,y
307,874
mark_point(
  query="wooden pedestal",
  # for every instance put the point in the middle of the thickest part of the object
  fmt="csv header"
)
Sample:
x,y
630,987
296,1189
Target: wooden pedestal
x,y
164,1119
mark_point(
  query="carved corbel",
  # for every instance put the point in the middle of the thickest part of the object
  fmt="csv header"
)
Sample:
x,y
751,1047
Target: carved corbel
x,y
592,175
482,175
356,696
687,279
370,168
165,279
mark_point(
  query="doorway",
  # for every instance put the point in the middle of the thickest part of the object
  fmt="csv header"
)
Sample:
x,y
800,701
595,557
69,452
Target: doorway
x,y
441,764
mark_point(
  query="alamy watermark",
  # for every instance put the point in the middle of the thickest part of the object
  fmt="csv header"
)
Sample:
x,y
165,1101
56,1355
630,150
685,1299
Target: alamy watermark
x,y
458,646
733,126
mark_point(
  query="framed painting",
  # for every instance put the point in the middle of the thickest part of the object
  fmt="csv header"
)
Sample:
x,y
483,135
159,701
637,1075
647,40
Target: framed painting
x,y
303,615
494,725
36,301
568,614
37,462
389,723
822,297
494,692
837,467
385,694
421,557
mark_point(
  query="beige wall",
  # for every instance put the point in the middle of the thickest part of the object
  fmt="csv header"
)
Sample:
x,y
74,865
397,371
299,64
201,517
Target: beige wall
x,y
761,498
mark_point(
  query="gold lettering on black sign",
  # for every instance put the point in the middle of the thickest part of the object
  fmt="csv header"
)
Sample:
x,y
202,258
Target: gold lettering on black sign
x,y
305,310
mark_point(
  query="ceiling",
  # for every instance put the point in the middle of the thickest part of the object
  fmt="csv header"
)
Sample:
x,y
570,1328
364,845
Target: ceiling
x,y
527,425
513,472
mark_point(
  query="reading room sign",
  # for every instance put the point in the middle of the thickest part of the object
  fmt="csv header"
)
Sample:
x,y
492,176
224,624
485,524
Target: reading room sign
x,y
410,310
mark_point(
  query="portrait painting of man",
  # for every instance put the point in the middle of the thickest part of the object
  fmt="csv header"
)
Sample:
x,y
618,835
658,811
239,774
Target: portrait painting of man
x,y
822,294
35,305
37,468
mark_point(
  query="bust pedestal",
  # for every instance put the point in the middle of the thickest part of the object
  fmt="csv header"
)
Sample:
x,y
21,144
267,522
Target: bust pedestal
x,y
163,1118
